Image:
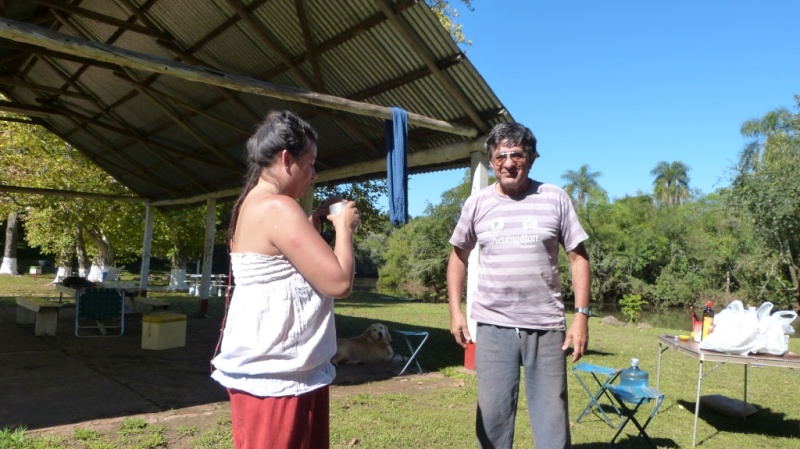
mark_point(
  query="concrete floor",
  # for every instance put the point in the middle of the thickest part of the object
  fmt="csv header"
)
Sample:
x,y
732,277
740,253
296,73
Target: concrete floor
x,y
50,381
56,381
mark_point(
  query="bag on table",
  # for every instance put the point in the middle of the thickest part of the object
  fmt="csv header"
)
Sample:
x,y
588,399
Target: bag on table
x,y
735,330
774,330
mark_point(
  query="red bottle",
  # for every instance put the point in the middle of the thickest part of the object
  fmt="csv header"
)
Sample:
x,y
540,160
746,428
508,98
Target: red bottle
x,y
708,319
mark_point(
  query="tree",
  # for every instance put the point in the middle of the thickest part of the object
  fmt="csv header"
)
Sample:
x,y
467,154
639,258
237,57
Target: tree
x,y
671,185
366,195
34,157
583,185
765,191
417,254
447,15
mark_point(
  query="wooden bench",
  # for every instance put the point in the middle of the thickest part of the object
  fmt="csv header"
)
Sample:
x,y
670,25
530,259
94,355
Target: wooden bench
x,y
40,312
145,305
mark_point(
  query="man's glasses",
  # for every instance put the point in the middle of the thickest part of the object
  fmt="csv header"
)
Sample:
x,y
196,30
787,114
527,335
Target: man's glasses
x,y
515,156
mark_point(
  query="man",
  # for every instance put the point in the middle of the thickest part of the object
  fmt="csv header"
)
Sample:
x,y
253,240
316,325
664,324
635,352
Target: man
x,y
519,224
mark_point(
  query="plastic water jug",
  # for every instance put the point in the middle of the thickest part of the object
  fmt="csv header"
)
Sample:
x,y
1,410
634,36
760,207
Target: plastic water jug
x,y
634,376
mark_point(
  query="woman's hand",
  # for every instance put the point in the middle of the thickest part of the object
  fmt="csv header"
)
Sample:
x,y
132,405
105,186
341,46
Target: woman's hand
x,y
348,218
322,212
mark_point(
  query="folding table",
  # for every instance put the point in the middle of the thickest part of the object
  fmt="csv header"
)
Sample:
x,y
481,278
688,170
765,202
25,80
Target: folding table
x,y
603,376
691,349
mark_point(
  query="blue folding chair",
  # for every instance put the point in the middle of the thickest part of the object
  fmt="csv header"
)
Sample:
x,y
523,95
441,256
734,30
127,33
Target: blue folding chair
x,y
414,340
636,396
603,376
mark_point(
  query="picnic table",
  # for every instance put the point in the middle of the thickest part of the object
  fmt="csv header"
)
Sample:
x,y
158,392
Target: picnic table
x,y
217,287
133,301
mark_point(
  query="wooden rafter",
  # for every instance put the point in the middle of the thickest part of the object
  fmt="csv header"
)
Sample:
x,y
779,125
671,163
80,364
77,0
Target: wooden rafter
x,y
70,194
17,31
339,39
27,109
265,38
107,147
424,54
142,172
313,56
102,18
196,135
201,111
38,87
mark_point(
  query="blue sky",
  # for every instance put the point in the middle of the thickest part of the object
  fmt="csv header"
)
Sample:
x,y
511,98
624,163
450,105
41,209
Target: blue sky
x,y
622,85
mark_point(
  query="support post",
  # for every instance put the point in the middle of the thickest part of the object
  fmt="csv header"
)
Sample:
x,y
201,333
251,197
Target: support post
x,y
479,167
147,246
208,254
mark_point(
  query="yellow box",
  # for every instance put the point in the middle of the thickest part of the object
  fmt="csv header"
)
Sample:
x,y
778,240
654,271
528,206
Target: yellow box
x,y
163,330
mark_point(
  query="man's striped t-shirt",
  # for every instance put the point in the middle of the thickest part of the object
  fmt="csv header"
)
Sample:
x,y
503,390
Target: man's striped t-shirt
x,y
518,281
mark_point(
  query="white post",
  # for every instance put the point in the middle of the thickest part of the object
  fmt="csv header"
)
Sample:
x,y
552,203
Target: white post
x,y
208,253
147,246
307,201
480,178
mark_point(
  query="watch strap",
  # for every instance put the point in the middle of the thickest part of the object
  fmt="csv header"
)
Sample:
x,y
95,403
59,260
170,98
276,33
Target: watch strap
x,y
584,310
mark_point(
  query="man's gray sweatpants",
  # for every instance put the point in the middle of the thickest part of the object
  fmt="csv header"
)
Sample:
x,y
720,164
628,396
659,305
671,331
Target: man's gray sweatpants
x,y
499,353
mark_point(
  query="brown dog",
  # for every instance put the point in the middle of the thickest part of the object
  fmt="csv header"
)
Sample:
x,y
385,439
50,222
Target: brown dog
x,y
371,347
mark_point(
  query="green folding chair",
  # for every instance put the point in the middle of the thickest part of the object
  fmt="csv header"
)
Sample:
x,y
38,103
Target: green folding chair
x,y
101,309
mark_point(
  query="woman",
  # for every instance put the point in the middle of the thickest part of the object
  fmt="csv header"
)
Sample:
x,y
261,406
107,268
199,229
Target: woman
x,y
279,336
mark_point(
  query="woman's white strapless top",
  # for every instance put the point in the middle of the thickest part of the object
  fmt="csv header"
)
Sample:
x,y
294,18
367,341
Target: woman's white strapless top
x,y
280,333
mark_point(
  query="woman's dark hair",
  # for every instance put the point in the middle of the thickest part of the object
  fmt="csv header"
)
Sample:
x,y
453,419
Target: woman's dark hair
x,y
280,130
511,134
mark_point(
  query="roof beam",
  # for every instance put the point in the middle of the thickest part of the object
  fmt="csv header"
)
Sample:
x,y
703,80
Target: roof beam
x,y
340,38
38,87
300,7
269,42
423,53
27,109
208,144
102,18
71,194
21,32
135,166
144,140
201,111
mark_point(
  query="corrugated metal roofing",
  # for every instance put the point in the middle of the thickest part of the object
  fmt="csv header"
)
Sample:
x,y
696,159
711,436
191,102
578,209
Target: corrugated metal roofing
x,y
167,137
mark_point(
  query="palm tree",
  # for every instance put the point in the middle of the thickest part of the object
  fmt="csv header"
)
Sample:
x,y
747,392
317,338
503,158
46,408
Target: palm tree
x,y
582,184
671,185
771,134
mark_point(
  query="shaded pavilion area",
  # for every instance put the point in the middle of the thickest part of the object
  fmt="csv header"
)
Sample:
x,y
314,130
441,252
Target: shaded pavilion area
x,y
162,95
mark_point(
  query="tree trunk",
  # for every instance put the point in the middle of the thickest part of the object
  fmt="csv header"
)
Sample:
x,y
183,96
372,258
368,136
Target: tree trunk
x,y
80,251
9,265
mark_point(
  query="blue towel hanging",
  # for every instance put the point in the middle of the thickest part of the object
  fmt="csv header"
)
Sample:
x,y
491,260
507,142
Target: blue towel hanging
x,y
397,165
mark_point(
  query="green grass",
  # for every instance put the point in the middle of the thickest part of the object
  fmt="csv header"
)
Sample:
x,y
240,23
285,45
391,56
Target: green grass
x,y
430,412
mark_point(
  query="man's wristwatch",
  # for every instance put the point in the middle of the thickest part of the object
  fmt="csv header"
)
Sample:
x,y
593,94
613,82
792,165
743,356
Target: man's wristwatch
x,y
584,310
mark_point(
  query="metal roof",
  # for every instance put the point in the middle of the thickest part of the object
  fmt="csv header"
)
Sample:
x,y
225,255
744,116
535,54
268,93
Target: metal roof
x,y
163,94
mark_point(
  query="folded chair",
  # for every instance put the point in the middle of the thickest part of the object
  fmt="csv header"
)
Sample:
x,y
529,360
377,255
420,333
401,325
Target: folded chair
x,y
603,377
414,340
637,397
101,309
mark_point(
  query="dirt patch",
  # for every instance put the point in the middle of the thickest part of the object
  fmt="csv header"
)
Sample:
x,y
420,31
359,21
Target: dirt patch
x,y
351,380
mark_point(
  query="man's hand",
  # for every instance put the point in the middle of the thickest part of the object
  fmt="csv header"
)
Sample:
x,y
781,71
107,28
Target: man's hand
x,y
459,329
577,336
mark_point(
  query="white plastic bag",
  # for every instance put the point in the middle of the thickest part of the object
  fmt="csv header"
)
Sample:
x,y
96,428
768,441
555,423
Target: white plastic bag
x,y
774,331
735,330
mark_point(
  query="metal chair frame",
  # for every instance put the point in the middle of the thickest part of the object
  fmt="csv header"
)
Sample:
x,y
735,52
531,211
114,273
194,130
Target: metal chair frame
x,y
407,336
638,397
99,305
604,377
